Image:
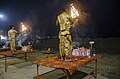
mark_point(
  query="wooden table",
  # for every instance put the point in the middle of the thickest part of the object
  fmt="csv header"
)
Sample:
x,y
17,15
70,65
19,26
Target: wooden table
x,y
47,51
4,49
68,67
8,53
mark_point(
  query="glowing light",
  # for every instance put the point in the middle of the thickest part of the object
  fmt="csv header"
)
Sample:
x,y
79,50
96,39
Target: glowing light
x,y
2,37
1,16
74,12
91,42
21,23
23,27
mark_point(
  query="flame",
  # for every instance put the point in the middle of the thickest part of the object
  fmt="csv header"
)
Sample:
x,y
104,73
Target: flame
x,y
23,27
74,12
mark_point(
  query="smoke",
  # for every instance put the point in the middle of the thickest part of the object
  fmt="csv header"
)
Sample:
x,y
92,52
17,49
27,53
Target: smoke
x,y
21,39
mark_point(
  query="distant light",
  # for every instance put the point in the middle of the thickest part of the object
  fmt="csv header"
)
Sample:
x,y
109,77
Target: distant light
x,y
2,37
48,37
91,42
1,16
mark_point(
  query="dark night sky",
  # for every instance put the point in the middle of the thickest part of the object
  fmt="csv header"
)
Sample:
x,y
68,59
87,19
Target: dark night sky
x,y
41,14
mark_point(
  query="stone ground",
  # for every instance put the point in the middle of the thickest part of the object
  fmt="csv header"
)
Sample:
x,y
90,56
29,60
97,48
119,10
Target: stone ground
x,y
27,70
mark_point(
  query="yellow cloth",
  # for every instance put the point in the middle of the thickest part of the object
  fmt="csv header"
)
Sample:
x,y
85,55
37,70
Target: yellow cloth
x,y
65,44
11,35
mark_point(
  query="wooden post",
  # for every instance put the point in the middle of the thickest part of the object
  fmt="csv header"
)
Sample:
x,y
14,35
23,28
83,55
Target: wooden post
x,y
34,55
96,67
37,71
25,57
66,72
5,63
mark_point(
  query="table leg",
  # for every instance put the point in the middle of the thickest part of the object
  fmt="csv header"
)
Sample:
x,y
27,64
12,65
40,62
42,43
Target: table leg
x,y
37,71
5,63
66,72
25,57
34,55
96,68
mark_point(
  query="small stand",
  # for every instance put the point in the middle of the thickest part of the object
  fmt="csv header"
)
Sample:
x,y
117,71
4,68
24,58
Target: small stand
x,y
91,48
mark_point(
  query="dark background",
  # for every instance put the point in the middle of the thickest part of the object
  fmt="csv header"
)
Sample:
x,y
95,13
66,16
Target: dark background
x,y
102,16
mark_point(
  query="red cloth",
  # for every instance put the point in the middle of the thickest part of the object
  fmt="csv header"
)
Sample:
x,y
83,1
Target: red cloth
x,y
17,52
71,66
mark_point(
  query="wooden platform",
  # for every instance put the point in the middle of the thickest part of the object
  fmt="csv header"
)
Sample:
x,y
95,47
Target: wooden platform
x,y
47,51
4,49
68,67
9,53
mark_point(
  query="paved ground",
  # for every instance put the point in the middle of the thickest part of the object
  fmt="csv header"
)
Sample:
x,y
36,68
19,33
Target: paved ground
x,y
26,70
